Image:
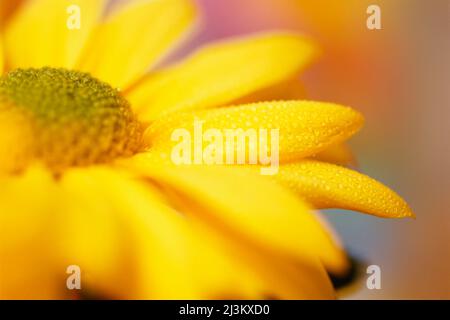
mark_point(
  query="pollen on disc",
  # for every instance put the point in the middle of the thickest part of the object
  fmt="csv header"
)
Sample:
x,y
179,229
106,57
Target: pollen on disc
x,y
75,118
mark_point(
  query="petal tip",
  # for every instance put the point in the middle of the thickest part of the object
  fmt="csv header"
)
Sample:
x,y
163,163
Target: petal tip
x,y
357,118
408,213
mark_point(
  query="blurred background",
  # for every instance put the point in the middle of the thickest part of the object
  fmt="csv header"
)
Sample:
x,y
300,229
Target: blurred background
x,y
399,78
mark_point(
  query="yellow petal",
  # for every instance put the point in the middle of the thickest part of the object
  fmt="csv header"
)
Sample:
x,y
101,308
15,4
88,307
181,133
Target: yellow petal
x,y
129,244
255,272
330,186
134,38
1,55
21,221
162,255
305,127
27,267
91,234
221,73
250,206
7,7
39,34
191,261
340,154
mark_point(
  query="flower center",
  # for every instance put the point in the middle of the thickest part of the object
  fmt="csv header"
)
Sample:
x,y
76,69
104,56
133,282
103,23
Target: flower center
x,y
67,118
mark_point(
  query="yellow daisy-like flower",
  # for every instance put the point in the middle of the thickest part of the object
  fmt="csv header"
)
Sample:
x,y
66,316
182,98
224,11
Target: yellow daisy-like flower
x,y
84,180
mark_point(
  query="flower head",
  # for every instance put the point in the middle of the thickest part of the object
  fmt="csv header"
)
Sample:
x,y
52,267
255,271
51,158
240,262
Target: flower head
x,y
86,177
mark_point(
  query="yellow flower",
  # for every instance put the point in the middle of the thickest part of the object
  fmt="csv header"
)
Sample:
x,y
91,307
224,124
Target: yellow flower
x,y
84,180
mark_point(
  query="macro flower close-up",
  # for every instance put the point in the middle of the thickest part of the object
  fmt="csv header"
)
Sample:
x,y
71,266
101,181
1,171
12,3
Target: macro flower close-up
x,y
115,159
